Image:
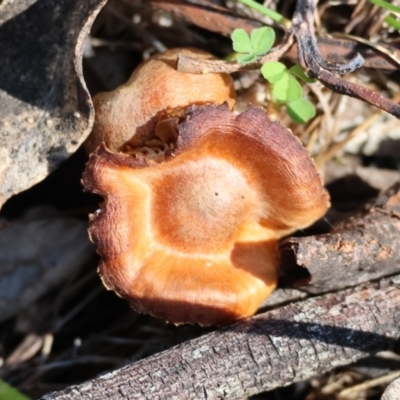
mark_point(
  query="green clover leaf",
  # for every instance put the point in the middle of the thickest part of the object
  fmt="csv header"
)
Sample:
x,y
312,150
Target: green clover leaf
x,y
257,44
262,40
241,41
300,110
245,58
273,71
286,89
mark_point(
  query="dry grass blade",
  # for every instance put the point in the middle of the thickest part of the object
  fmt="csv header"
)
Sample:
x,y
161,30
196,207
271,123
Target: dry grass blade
x,y
335,148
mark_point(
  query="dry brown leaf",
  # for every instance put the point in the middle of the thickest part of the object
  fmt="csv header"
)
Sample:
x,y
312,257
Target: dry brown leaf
x,y
45,109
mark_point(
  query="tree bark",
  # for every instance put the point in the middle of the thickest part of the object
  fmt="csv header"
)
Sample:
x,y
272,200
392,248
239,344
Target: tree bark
x,y
359,249
392,392
270,350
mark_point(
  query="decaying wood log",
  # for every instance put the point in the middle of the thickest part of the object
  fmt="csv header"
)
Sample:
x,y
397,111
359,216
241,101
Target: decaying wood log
x,y
270,350
360,248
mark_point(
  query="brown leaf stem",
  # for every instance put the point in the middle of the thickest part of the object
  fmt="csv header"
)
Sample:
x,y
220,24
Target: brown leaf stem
x,y
194,65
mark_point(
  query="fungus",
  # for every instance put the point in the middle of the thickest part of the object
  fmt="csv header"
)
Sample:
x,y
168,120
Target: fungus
x,y
127,117
192,236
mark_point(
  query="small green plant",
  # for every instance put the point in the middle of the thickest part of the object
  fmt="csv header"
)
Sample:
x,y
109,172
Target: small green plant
x,y
250,47
276,17
285,89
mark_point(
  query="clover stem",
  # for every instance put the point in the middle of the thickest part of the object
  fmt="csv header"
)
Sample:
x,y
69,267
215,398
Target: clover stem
x,y
276,17
385,5
393,22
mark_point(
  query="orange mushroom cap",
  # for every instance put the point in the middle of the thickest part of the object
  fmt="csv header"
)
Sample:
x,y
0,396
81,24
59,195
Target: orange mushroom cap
x,y
128,114
193,239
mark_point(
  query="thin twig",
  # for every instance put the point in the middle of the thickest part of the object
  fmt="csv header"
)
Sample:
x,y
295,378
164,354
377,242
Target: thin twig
x,y
350,393
310,57
196,66
334,148
377,46
309,54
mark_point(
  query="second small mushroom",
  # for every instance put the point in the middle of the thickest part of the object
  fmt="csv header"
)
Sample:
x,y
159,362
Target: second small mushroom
x,y
191,237
127,116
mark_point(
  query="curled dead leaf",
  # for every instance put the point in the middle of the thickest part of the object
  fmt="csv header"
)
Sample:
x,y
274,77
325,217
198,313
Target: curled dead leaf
x,y
45,109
